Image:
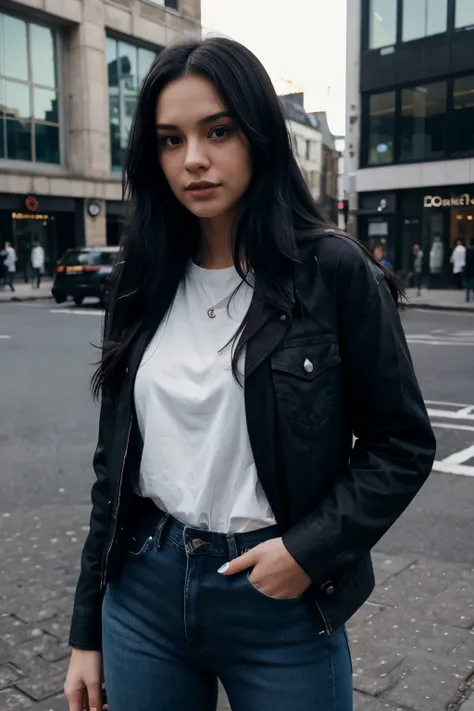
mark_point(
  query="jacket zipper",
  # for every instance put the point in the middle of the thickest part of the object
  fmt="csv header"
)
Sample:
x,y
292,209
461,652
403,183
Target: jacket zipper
x,y
326,623
117,506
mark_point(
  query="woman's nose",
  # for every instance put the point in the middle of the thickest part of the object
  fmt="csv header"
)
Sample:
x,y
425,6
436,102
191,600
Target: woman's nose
x,y
196,156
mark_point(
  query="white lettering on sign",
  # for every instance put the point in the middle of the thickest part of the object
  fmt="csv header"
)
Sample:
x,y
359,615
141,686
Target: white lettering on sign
x,y
438,201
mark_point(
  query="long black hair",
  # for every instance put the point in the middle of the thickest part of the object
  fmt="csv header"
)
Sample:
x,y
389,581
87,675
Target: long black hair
x,y
161,234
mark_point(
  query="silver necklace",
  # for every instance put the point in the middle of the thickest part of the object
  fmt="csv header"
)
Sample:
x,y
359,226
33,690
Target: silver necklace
x,y
211,311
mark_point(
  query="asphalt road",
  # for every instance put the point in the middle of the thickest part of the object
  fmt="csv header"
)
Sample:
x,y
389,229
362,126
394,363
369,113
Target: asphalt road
x,y
48,422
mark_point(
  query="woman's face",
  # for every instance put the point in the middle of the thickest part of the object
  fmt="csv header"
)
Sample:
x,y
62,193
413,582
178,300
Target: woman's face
x,y
204,156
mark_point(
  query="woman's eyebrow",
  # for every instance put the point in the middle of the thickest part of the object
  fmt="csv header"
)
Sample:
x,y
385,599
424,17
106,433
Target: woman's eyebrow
x,y
206,119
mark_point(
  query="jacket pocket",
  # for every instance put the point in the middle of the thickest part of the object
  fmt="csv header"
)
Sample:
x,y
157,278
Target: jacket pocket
x,y
306,377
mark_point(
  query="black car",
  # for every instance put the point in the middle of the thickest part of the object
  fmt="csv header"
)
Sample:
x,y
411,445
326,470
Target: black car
x,y
83,272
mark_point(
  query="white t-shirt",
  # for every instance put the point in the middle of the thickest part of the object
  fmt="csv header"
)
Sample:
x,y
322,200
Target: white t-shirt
x,y
197,462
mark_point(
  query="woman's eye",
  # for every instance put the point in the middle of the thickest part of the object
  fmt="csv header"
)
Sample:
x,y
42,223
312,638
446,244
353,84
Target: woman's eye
x,y
170,141
220,132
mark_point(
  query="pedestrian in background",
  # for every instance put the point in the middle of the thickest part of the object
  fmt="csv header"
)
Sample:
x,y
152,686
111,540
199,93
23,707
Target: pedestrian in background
x,y
37,262
458,260
9,262
469,272
380,256
418,267
231,526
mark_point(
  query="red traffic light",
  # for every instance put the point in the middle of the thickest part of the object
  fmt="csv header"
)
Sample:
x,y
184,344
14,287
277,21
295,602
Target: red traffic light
x,y
340,205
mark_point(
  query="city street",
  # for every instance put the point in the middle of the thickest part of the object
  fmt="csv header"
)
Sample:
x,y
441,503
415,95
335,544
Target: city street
x,y
413,644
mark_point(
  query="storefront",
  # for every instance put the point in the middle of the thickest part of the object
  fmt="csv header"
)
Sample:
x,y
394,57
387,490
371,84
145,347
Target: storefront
x,y
434,218
116,211
57,223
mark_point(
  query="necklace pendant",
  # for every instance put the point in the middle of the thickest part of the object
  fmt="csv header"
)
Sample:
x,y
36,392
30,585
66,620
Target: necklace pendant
x,y
211,313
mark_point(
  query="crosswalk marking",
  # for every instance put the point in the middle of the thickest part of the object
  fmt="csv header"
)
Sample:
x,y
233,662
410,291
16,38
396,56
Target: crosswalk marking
x,y
455,463
77,312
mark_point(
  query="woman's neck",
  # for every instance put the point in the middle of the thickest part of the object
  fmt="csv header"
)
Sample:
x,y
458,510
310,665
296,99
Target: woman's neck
x,y
215,247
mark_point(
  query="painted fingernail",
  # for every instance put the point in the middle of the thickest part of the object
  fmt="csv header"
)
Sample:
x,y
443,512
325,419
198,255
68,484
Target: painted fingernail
x,y
223,568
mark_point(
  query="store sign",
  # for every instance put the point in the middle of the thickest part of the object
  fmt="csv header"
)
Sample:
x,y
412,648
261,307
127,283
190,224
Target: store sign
x,y
31,203
437,201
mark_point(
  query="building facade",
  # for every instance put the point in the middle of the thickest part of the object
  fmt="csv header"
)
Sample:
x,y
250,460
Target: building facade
x,y
409,155
314,149
69,77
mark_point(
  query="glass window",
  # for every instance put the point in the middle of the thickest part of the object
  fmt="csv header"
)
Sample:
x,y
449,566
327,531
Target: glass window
x,y
47,143
422,18
145,60
383,23
127,64
464,13
14,54
423,122
18,134
29,112
43,65
45,103
381,128
462,120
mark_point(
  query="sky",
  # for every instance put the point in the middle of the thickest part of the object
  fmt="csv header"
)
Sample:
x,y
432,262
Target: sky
x,y
301,44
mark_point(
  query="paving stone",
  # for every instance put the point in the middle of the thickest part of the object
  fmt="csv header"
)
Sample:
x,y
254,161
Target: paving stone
x,y
388,566
366,612
455,605
42,682
58,703
433,683
405,630
368,703
14,632
416,585
8,675
13,700
58,627
376,668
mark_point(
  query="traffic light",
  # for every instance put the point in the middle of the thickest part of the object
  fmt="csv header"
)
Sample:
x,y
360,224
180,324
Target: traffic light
x,y
343,208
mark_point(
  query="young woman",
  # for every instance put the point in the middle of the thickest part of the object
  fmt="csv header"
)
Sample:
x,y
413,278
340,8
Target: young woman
x,y
245,345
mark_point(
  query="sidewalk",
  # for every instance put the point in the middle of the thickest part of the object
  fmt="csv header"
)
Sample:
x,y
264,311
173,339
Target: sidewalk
x,y
433,299
412,644
440,300
26,292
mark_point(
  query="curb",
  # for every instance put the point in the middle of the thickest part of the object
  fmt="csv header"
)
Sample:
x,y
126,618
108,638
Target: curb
x,y
18,299
440,307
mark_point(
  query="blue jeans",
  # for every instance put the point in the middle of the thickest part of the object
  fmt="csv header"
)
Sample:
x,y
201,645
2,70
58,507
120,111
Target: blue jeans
x,y
172,625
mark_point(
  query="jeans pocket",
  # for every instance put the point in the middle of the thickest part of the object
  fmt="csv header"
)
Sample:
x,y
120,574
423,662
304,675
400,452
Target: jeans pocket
x,y
138,546
269,597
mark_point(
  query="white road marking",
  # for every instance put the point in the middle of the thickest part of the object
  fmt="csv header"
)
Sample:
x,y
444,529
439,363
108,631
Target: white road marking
x,y
464,455
5,338
428,342
443,402
457,469
448,426
449,415
455,463
77,312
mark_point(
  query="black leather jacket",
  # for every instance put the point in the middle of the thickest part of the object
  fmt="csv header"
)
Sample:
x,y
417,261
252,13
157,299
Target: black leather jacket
x,y
333,367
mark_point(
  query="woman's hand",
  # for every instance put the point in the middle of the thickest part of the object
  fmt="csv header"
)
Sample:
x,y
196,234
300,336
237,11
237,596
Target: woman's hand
x,y
275,572
83,687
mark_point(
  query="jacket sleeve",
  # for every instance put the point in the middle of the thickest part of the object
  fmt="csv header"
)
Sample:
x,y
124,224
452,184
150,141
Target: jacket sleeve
x,y
395,446
86,623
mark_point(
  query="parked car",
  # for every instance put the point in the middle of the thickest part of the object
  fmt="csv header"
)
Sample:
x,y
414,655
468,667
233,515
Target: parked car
x,y
83,272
